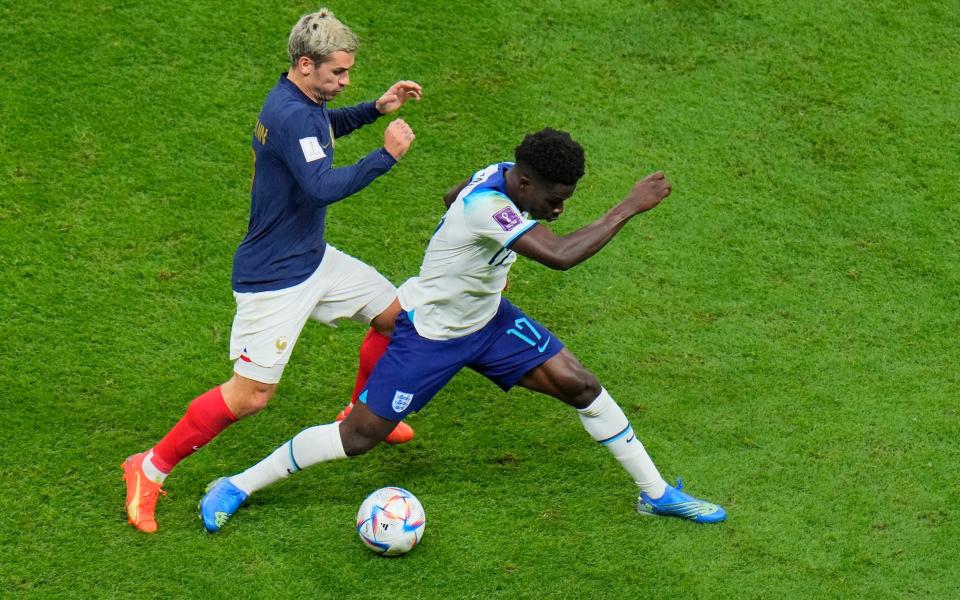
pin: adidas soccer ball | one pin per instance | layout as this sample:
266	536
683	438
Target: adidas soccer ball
390	521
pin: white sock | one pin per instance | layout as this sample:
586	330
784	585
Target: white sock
606	423
150	470
307	448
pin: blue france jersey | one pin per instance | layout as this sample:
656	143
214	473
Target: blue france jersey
294	181
467	261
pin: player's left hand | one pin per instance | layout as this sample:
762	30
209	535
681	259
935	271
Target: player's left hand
397	95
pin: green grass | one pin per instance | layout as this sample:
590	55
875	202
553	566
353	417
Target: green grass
782	331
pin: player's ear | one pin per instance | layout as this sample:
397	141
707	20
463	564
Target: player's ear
304	65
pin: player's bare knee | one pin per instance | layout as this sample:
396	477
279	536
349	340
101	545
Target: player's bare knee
591	387
254	400
259	399
355	443
579	387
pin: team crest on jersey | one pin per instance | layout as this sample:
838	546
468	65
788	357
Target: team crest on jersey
507	218
401	400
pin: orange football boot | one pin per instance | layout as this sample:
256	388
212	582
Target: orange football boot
401	434
142	494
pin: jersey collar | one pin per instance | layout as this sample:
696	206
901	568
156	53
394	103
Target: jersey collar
292	87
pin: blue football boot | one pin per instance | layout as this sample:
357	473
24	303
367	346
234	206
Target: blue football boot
675	503
220	502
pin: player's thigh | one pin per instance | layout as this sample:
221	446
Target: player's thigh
412	371
356	290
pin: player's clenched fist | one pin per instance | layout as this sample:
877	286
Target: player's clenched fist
397	138
649	191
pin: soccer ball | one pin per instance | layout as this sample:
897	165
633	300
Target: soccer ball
390	521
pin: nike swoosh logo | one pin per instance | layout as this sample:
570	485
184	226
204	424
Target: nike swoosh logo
631	438
544	346
330	128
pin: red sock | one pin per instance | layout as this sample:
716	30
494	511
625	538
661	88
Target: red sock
205	418
373	347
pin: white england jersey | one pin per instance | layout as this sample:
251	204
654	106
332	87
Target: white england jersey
467	261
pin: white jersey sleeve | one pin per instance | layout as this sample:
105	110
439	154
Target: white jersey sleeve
490	214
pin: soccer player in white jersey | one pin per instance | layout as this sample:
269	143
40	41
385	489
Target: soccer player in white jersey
455	317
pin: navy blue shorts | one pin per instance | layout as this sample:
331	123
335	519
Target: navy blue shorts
414	368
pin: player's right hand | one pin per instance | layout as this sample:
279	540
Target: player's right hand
649	191
397	138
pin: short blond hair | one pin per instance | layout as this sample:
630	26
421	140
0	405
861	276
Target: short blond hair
317	36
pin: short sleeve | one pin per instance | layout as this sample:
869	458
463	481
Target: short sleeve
492	215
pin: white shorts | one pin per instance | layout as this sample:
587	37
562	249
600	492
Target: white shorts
267	324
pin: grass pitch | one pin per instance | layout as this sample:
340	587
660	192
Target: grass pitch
782	331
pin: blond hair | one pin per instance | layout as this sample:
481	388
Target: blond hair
317	36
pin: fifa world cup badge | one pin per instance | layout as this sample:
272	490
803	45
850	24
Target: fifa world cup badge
507	219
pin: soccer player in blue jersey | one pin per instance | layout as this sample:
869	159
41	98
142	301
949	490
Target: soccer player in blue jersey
284	272
455	317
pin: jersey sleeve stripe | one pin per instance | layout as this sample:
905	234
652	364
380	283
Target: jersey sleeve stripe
517	235
492	260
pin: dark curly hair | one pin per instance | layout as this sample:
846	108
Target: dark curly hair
552	155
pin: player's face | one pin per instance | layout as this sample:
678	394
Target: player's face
544	201
329	78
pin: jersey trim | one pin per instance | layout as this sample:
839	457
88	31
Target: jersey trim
517	235
510	243
497	255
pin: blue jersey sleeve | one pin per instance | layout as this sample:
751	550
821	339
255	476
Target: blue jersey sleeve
308	152
347	119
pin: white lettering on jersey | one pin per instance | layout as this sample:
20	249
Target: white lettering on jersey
478	178
311	149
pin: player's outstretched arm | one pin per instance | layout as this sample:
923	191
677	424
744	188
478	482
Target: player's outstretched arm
397	95
564	252
350	118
